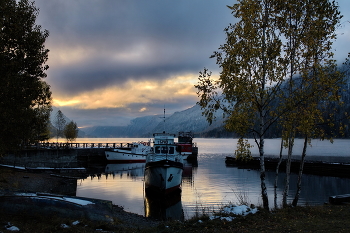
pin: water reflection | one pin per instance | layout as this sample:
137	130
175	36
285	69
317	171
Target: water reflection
190	170
164	207
128	169
206	185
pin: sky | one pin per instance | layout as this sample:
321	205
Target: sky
114	60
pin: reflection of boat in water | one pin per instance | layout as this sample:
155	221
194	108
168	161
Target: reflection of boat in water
132	169
162	207
186	146
132	152
190	167
164	166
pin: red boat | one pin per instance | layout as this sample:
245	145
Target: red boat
186	146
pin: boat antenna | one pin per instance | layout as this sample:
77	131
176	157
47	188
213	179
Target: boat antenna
164	121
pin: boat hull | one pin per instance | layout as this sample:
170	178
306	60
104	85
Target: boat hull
188	150
163	176
124	157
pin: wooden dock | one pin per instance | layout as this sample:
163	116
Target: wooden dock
59	154
310	167
339	199
76	145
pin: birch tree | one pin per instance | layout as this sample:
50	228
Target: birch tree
309	28
251	74
271	43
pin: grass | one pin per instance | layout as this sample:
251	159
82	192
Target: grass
327	218
35	223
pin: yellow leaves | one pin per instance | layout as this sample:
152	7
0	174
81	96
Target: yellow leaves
255	62
243	153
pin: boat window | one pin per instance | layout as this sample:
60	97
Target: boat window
157	150
171	150
164	150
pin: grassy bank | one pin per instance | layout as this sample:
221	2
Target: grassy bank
327	218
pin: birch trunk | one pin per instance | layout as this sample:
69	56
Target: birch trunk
277	172
288	164
301	168
263	174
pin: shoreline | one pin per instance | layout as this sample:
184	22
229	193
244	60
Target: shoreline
19	180
45	185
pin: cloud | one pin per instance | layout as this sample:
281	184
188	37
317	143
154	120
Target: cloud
95	44
111	61
174	89
133	99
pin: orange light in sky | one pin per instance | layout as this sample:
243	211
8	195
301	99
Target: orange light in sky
144	91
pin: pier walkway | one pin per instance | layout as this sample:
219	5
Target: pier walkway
76	145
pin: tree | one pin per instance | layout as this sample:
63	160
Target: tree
264	50
71	131
25	99
251	75
60	124
309	27
243	153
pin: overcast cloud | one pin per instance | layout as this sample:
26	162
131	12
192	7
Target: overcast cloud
114	60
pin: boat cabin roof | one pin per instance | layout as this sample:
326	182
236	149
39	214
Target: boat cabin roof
163	138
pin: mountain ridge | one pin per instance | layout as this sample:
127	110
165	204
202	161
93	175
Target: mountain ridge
190	119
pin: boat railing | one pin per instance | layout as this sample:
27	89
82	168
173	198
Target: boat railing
153	157
148	143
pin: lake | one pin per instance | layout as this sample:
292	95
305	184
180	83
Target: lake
209	184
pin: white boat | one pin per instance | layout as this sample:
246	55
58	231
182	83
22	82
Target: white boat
164	165
132	153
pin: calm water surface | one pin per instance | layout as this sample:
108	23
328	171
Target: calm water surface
209	184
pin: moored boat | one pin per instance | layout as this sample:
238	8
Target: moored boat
132	153
164	165
186	146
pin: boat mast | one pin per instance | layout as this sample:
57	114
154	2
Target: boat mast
164	120
166	145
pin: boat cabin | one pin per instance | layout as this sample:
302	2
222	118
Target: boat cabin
164	143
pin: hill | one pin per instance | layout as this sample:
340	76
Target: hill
188	120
